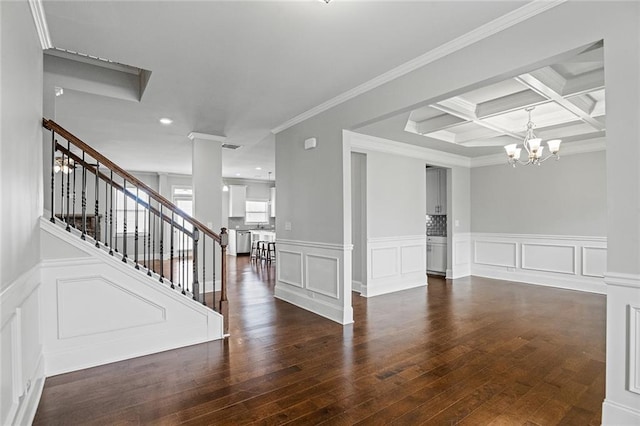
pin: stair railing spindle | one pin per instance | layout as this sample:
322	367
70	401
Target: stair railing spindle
96	218
84	198
135	233
173	278
68	186
161	245
111	215
53	175
195	286
124	221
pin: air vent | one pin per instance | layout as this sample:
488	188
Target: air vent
231	146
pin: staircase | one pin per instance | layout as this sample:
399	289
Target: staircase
98	202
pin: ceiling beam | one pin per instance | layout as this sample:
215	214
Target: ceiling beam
453	106
440	122
508	103
549	83
587	82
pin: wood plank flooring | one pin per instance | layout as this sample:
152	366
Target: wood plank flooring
471	352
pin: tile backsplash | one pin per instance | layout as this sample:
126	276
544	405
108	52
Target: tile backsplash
437	225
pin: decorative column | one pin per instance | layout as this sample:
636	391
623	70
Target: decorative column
207	194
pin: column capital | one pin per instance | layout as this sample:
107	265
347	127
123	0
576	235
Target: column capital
206	136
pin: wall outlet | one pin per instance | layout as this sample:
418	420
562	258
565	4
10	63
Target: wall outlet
457	223
287	226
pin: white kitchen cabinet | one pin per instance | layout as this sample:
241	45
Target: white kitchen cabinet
231	245
437	254
237	200
436	191
272	201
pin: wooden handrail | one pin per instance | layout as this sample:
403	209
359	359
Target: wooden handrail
55	127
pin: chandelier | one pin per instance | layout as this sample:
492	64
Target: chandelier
65	165
532	145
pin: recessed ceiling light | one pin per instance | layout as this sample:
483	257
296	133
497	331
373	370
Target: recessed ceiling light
258	168
237	174
166	121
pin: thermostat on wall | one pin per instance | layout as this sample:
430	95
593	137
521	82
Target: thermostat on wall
310	143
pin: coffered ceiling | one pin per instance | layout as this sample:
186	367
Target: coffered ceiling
567	97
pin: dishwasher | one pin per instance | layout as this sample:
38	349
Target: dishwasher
243	242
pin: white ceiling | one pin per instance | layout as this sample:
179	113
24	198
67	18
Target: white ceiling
239	69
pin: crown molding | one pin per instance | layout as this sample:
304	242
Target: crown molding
594	145
206	136
39	18
508	20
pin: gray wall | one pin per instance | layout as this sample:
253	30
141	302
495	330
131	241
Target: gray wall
565	197
396	196
359	216
21	136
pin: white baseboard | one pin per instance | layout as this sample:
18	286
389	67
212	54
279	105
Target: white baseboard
356	286
394	287
614	414
316	306
29	402
568	283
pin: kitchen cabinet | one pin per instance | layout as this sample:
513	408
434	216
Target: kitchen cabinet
237	200
436	191
437	255
272	201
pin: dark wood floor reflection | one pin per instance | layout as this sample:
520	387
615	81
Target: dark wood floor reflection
474	351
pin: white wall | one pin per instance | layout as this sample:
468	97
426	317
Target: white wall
565	197
21	364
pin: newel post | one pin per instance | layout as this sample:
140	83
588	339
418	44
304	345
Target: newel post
224	303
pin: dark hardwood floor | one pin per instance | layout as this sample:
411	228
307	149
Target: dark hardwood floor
473	352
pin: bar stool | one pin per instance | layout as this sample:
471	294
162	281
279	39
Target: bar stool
262	250
271	251
255	250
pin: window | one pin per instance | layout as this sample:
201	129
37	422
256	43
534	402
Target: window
133	208
257	212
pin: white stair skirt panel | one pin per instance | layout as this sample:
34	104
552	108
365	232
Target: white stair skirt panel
570	262
394	264
315	277
97	310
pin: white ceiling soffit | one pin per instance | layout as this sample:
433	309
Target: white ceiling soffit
510	19
568	100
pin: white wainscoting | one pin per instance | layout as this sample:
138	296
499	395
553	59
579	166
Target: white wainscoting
634	348
622	405
460	255
571	262
312	276
22	366
97	310
394	264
